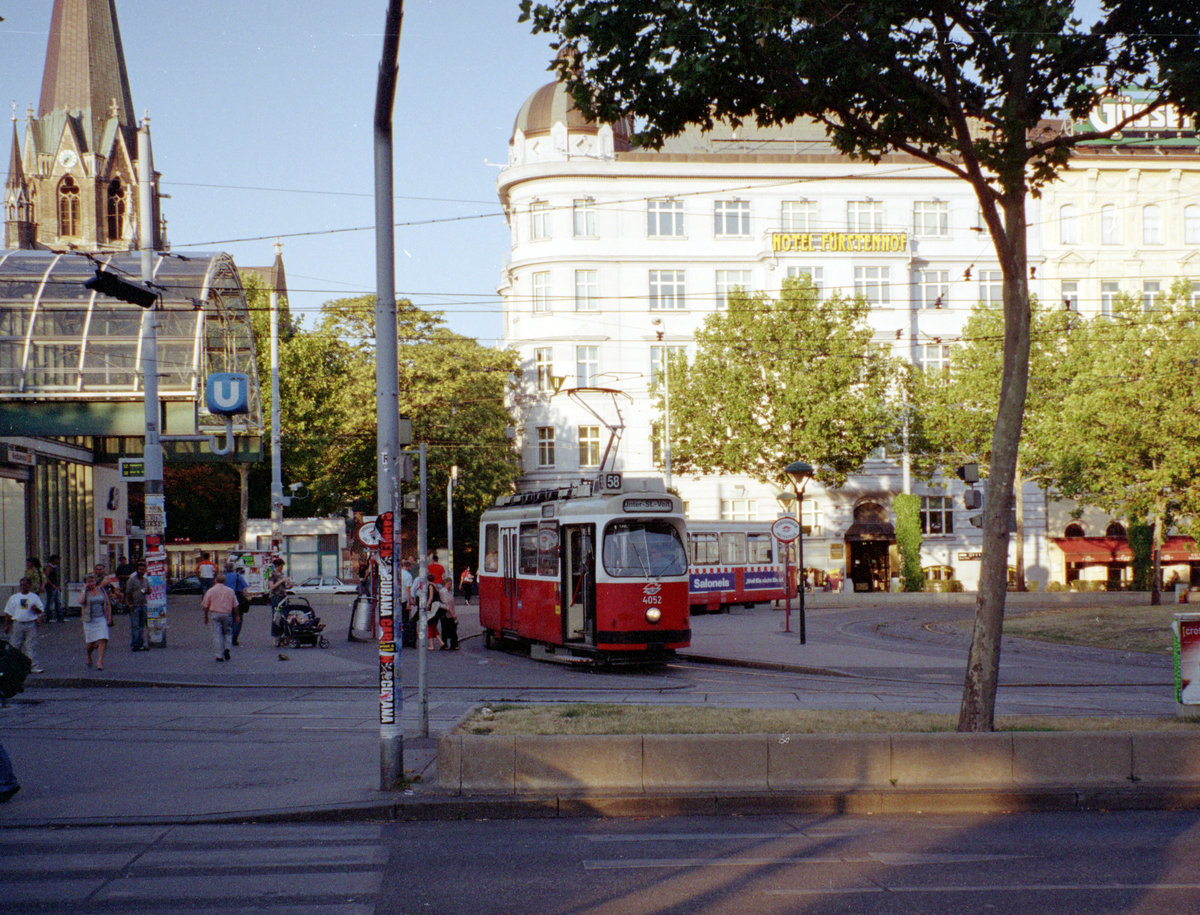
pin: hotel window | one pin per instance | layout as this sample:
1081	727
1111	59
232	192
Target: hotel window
1150	291
543	366
810	517
937	515
545	442
664	218
1108	297
815	275
864	216
589	446
68	207
1110	225
728	280
991	287
587	290
731	218
541	290
931	218
931	288
933	357
798	216
666	290
1151	225
539	220
739	510
583	217
587	365
872	284
1070	295
1068	225
1191	225
658	358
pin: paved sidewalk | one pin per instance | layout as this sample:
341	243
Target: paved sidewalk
170	735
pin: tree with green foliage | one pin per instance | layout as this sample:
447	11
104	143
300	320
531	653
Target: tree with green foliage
969	86
908	540
1125	433
779	380
958	405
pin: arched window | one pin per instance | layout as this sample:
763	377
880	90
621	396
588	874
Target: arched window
116	210
1151	225
1068	225
1191	225
1114	529
1110	225
68	207
1073	530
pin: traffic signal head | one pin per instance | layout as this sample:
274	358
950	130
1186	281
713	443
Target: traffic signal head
969	472
111	285
972	499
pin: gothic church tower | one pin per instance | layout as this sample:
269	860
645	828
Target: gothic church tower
75	185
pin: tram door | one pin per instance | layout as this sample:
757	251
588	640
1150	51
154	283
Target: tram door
579	583
508	568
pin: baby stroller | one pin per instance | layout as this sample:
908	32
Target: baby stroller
296	624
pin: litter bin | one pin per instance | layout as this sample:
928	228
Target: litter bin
362	620
1185	627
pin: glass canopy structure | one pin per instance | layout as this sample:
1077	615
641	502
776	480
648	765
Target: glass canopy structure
71	358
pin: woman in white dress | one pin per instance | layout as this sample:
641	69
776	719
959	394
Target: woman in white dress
97	617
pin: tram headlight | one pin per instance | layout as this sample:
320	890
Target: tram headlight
653	615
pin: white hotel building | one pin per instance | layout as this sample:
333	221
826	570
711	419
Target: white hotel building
620	254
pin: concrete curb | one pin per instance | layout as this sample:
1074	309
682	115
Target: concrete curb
1011	763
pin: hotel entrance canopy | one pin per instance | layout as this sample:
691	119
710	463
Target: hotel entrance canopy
71	358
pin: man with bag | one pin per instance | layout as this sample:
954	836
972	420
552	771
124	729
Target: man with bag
237	581
137	593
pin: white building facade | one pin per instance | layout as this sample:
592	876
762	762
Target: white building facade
619	255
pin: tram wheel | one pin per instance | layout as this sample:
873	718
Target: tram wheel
489	640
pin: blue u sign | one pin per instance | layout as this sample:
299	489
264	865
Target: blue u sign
228	393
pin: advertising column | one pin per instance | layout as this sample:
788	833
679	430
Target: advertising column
1186	630
156	568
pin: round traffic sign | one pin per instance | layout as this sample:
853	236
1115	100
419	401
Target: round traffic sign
785	529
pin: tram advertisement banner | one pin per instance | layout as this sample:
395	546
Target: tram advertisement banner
763	579
1186	629
702	582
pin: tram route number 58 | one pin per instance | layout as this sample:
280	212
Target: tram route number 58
608	482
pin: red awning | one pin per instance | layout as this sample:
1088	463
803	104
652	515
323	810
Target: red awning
1116	549
1094	549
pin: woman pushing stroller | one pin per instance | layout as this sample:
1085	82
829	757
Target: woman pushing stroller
441	610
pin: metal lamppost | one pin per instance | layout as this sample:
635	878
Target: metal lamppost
666	367
800	472
785	500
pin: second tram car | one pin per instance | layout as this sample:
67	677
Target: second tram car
597	570
735	562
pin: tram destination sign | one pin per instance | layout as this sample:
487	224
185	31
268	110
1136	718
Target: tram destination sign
647	505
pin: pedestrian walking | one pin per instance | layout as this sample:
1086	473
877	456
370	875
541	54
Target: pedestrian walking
206	571
8	779
445	616
21	613
466	584
96	610
277	585
137	594
220	603
237	581
408	609
54	601
33	571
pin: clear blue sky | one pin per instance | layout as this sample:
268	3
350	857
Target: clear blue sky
261	117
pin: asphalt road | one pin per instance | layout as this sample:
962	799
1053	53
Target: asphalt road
1029	863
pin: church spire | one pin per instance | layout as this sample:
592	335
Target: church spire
18	205
85	66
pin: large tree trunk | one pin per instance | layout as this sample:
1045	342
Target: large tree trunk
978	709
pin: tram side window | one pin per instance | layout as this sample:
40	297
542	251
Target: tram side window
548	555
758	548
491	548
733	548
528	559
704	549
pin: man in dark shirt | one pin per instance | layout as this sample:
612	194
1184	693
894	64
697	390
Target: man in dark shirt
137	592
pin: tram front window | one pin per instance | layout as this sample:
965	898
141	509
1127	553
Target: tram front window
643	549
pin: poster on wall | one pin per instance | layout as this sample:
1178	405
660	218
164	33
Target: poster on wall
1186	630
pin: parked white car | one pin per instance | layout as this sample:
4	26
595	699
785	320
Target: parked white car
323	584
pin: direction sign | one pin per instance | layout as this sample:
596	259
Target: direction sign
785	529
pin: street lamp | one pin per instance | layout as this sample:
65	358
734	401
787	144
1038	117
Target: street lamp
800	472
666	366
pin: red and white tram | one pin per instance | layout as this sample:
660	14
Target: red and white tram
735	562
597	570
